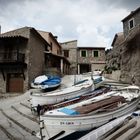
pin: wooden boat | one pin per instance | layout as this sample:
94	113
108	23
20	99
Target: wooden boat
80	88
108	128
92	113
129	131
94	93
46	83
98	79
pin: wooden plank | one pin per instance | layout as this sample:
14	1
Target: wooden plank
134	134
121	131
99	104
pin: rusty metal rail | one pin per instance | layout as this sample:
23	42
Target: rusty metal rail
19	124
9	135
31	118
25	105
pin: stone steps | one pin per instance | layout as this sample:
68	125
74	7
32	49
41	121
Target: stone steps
18	123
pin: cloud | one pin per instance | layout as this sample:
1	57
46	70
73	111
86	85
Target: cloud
94	37
91	22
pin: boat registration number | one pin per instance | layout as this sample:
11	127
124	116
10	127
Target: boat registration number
66	123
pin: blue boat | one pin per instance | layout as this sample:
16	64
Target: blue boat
46	82
51	83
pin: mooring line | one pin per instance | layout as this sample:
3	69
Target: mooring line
25	105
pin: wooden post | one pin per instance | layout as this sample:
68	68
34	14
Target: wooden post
78	68
61	66
41	127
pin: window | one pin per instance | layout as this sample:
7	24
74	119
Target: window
46	48
131	23
66	53
95	53
83	53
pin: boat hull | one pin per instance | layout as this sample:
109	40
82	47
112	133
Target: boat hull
84	122
44	99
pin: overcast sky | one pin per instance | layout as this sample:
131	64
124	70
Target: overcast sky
91	22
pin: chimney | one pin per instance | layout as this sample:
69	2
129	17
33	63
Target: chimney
56	37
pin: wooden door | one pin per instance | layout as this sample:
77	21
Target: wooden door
15	83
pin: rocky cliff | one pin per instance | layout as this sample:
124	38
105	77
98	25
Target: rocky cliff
130	61
125	56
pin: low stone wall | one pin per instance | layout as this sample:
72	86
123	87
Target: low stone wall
114	76
53	71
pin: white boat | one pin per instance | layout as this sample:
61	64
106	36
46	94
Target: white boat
84	97
83	116
80	88
97	79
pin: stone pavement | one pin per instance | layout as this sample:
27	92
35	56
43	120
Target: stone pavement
16	119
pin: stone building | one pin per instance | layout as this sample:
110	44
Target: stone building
56	63
21	59
70	52
90	59
126	49
83	59
130	64
23	54
55	47
131	22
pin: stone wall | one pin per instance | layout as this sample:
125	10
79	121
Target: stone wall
126	29
96	66
2	84
36	57
56	48
71	46
130	66
114	76
113	56
90	58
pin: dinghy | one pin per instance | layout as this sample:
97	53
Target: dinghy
46	83
52	83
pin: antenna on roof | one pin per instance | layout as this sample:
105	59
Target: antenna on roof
0	29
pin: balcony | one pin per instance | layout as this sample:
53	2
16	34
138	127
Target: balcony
12	57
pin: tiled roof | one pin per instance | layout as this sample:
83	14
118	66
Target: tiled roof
44	34
131	14
68	41
118	39
89	47
22	32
